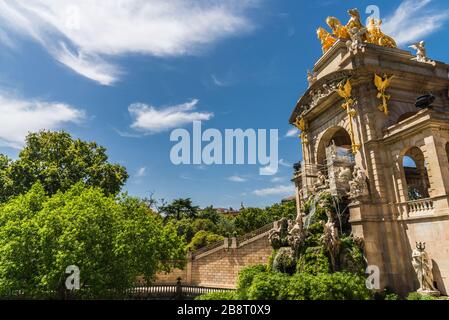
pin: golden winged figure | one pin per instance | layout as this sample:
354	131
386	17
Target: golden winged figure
300	123
344	90
382	84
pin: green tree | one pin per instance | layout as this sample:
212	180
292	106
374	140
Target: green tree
58	161
203	239
112	241
179	209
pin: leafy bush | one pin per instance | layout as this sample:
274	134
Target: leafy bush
339	286
219	296
285	261
267	286
298	288
246	277
313	261
202	239
112	241
418	296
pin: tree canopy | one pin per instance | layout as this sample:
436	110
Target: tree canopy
112	240
57	162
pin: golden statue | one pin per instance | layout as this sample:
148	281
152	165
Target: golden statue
382	84
344	90
354	31
377	37
338	30
327	40
355	23
300	123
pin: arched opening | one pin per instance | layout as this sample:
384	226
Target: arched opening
416	175
340	141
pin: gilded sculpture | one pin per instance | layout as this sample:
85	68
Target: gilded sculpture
300	123
354	33
327	40
344	90
382	84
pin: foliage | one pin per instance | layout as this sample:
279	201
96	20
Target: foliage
351	257
285	261
203	239
58	161
313	261
179	209
246	277
418	296
217	296
267	286
112	241
250	219
326	286
210	214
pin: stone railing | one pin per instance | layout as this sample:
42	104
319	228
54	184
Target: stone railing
255	233
422	206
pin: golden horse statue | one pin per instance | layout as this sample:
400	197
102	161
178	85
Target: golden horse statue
327	40
369	34
376	36
338	29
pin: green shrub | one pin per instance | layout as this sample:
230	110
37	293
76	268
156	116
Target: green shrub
267	286
418	296
202	239
217	296
285	261
246	277
339	286
298	287
313	261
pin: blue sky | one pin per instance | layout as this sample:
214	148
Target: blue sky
239	64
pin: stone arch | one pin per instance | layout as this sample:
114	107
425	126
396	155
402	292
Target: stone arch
336	134
415	174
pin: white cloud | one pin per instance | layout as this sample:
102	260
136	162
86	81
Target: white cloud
19	117
413	20
292	133
148	119
237	179
141	172
278	190
278	179
284	163
98	30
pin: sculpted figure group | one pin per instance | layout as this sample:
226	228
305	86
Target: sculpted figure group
354	32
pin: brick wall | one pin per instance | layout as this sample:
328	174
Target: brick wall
219	267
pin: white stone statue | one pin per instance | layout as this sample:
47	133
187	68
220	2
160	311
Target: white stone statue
311	77
358	185
331	239
421	52
322	182
356	42
423	268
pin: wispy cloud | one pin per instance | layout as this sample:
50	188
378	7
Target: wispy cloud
148	119
413	20
285	163
141	172
19	116
98	30
237	179
277	190
292	133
